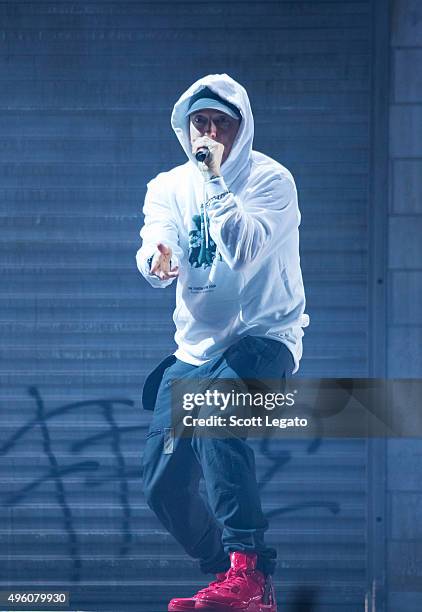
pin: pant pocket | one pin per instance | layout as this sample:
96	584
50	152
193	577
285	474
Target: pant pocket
265	348
153	432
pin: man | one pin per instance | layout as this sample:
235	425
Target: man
227	228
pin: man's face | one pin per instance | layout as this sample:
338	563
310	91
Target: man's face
216	125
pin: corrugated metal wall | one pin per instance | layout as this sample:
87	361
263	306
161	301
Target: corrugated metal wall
404	547
87	91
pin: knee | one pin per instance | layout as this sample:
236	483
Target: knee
160	486
224	450
200	442
209	447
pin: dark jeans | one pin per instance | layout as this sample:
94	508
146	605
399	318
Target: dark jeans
172	467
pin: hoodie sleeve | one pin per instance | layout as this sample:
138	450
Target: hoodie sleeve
159	226
247	229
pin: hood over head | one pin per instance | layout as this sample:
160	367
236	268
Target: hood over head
231	91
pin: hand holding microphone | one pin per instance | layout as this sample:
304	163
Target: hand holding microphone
202	154
208	153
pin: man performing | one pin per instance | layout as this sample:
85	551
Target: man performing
225	224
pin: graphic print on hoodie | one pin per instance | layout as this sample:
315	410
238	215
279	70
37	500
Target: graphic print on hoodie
202	248
235	240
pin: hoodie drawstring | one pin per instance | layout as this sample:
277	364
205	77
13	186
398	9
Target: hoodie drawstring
204	214
207	234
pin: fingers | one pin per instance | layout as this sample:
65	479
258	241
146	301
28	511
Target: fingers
164	250
157	263
203	167
173	272
155	268
205	141
161	263
162	275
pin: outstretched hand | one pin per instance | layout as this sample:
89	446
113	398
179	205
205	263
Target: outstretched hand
161	264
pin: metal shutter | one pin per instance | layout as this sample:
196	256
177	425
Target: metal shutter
87	93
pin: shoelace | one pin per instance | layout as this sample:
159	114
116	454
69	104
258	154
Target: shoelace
211	585
235	578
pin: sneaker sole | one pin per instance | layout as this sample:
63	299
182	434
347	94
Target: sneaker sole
183	607
217	607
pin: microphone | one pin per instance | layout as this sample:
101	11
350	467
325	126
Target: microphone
202	154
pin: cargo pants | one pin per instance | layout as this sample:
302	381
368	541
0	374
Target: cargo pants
231	519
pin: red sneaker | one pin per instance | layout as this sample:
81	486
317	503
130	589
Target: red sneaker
245	589
186	604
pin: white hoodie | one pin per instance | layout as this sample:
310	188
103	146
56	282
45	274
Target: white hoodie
235	240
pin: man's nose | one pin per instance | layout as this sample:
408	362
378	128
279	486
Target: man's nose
211	130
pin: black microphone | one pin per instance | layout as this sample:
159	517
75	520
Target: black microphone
202	154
